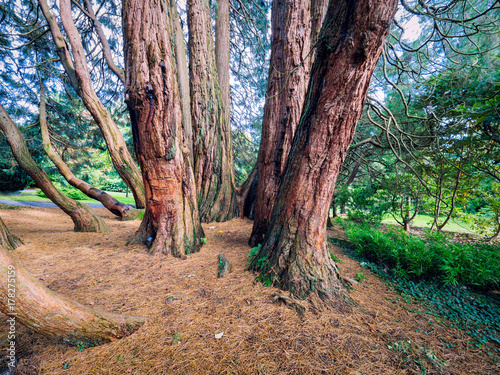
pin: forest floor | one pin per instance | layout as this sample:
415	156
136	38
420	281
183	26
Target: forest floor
186	306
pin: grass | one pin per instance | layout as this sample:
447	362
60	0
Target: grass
31	195
425	221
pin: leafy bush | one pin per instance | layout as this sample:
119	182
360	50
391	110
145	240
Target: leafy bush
12	178
367	203
432	255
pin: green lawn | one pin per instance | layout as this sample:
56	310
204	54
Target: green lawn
425	221
32	196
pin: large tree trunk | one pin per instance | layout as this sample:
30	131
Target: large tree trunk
182	76
8	240
78	72
293	25
84	218
222	53
171	223
26	301
212	145
119	209
294	254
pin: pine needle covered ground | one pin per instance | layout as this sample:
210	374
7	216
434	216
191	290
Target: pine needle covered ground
200	324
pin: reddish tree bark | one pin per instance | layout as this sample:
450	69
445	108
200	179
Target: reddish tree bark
182	76
25	300
212	144
294	32
294	253
222	53
84	218
171	223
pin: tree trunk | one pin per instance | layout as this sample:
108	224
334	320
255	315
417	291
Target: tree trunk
182	76
119	209
171	223
79	75
84	218
497	231
8	240
294	254
222	53
246	195
291	59
212	145
26	301
452	204
437	205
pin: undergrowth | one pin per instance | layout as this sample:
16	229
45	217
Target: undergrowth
431	255
406	265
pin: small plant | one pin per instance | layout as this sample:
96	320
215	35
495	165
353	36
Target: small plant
335	259
203	241
359	277
176	338
252	254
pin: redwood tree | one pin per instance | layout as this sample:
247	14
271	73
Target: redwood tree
294	253
212	145
294	32
84	218
171	223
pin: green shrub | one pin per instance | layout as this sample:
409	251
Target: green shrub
432	255
12	178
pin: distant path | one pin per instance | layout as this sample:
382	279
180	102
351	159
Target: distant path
41	204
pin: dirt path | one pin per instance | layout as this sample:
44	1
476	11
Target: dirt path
187	305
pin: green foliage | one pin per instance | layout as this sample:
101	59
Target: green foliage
474	312
253	253
360	276
366	203
432	255
335	259
12	177
203	241
69	191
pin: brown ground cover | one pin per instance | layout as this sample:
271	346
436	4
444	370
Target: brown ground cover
186	306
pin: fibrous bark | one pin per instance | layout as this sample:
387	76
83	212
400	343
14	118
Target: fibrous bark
84	218
171	223
26	301
212	148
76	68
222	53
182	76
7	239
294	253
294	32
112	204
